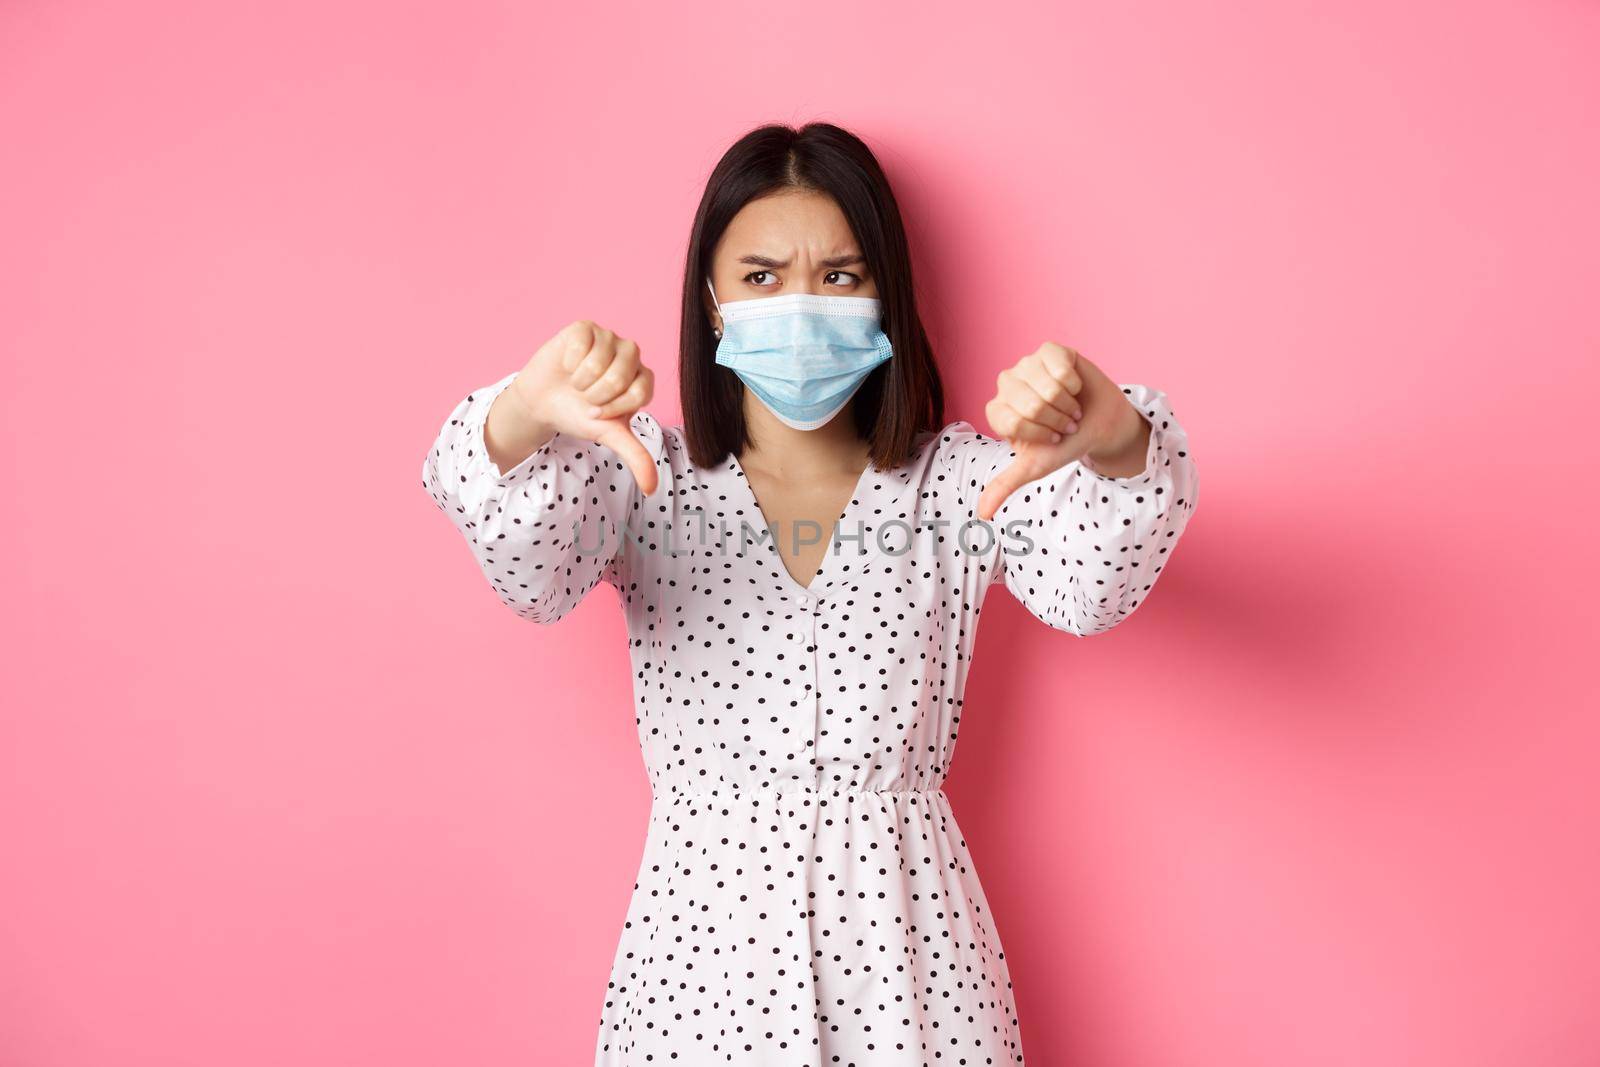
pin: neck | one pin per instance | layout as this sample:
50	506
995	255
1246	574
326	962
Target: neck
785	452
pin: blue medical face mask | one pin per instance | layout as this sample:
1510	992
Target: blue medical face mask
802	355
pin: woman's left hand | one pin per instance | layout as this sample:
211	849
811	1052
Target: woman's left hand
1054	407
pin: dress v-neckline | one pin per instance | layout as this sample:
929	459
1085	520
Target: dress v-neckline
813	587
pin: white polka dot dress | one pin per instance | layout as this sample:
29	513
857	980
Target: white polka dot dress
805	897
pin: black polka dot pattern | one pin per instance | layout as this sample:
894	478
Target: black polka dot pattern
806	897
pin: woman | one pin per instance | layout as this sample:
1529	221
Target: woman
802	566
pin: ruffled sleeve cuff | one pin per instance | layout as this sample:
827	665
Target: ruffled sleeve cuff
476	465
1153	405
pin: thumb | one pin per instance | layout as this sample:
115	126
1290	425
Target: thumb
618	435
1015	475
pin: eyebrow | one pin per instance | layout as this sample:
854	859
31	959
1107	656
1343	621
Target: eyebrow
846	260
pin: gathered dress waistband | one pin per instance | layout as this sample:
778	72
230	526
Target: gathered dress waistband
672	793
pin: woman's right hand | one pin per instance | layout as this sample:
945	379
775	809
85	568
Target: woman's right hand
584	382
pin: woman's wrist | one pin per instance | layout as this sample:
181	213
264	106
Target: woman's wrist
511	432
1124	457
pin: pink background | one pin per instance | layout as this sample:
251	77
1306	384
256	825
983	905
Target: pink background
285	784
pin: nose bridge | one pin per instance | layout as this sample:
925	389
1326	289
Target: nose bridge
803	273
803	277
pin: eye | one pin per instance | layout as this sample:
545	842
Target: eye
854	278
756	274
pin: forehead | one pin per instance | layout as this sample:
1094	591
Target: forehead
795	220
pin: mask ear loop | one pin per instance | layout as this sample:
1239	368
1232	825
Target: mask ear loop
715	330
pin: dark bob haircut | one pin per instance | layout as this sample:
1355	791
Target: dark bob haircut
901	397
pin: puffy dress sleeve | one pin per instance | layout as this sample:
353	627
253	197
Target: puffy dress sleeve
1079	549
549	529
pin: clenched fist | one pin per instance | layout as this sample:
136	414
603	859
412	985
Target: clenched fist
585	382
1053	407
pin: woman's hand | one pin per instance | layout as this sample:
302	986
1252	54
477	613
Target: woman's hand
1054	407
585	382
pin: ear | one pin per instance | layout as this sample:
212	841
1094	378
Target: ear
710	307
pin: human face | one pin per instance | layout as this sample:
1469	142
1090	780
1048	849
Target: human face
794	241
